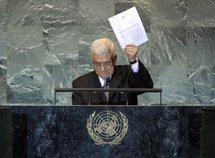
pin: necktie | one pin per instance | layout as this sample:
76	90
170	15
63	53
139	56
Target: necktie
106	85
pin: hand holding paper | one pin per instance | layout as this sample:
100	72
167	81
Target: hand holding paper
128	28
131	51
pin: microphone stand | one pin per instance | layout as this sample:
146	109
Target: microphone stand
95	90
92	93
125	95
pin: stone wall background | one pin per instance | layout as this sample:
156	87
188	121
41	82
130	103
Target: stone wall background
46	44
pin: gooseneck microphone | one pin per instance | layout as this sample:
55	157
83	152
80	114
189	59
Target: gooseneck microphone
91	94
126	97
106	85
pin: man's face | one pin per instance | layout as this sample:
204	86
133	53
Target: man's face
103	65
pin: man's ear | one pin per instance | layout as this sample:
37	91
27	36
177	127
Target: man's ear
114	59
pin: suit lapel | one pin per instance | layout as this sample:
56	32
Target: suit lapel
95	83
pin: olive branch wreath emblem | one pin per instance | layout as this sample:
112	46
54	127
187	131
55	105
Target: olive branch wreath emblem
98	140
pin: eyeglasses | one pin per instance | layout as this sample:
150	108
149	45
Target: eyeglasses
107	65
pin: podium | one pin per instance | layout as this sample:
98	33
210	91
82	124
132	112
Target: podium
13	133
94	131
208	133
5	133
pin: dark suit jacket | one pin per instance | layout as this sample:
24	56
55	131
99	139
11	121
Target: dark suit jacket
123	77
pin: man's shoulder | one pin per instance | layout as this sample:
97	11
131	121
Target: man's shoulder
83	78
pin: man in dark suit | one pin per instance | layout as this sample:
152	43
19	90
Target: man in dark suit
107	73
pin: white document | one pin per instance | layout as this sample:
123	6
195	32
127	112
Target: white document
128	28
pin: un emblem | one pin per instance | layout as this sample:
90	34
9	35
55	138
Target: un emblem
107	127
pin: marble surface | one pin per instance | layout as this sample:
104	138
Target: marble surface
154	131
45	44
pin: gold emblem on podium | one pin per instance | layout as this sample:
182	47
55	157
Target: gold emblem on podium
107	127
